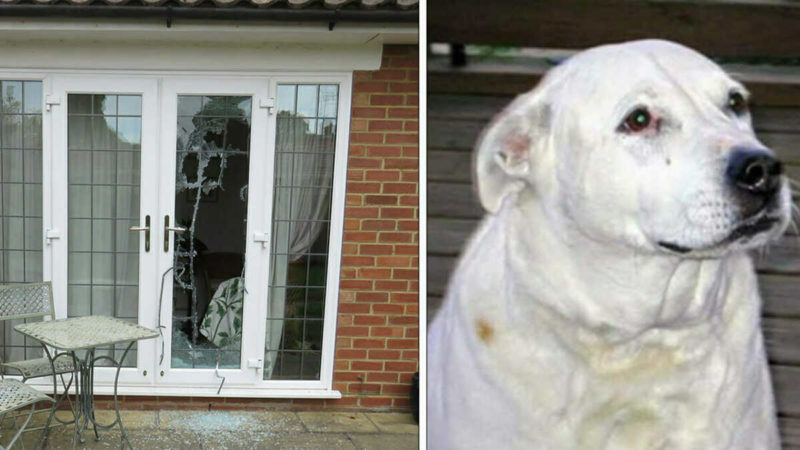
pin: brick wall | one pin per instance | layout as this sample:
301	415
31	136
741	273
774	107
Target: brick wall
377	347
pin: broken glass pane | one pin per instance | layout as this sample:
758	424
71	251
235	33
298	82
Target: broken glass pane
212	170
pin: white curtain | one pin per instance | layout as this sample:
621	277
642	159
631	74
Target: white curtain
20	200
304	171
103	203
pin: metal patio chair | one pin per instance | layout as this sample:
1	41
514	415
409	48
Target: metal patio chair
15	395
32	300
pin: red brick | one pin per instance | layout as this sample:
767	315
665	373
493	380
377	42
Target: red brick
401	320
402	297
354	212
408	175
385	125
375	274
370	113
399	188
403	87
353	331
358	125
393	261
401	366
364	388
397	389
351	354
404	225
406	274
406	250
384	151
372	296
369	319
348	376
355	175
395	213
369	343
382	377
411	354
403	113
390	75
375	402
390	200
387	309
363	188
410	332
364	163
353	200
411	125
382	175
372	86
367	138
404	61
348	273
358	261
355	308
386	99
395	237
378	249
410	152
360	236
367	365
356	284
378	225
409	200
401	163
412	100
391	285
387	331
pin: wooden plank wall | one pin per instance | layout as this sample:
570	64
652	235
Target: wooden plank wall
461	102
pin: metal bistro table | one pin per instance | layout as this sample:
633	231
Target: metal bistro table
87	333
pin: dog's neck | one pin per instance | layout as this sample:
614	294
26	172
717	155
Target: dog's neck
612	289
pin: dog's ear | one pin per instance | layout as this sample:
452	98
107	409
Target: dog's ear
505	149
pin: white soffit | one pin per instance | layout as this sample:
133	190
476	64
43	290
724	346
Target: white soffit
195	45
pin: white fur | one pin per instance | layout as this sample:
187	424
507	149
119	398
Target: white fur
566	326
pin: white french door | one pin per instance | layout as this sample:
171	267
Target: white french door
104	154
209	207
216	186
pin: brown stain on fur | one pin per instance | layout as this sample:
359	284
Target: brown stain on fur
484	330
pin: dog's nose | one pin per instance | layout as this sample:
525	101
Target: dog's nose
754	170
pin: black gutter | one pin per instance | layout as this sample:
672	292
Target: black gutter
169	13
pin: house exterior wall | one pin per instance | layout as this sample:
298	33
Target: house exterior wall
377	346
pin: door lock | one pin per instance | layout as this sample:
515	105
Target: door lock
167	229
146	229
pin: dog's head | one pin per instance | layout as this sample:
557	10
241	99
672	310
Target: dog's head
646	143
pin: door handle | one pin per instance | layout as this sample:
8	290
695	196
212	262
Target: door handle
167	229
146	229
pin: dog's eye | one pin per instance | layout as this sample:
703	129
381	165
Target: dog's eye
737	103
638	120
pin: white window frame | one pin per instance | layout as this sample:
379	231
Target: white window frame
322	388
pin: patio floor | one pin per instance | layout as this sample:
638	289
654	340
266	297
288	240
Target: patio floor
195	430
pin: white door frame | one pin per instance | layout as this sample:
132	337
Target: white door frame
61	86
54	195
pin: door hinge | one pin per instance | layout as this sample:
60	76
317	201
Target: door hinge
261	237
268	103
52	233
51	100
255	363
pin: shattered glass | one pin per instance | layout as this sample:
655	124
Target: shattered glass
211	204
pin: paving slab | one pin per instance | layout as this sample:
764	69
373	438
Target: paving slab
336	422
242	421
385	441
394	423
311	441
131	419
140	439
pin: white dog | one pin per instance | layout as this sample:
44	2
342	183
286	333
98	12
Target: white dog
607	300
